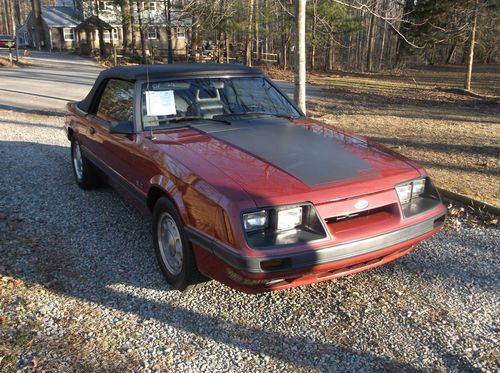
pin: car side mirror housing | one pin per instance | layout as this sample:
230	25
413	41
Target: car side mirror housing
123	127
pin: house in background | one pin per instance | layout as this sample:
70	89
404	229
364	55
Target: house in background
74	24
53	28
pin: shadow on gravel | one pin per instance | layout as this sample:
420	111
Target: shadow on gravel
31	124
34	94
85	244
34	111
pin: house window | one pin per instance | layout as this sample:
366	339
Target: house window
105	6
181	32
69	34
149	6
107	35
152	33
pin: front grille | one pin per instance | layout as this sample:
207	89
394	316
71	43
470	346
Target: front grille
364	222
342	218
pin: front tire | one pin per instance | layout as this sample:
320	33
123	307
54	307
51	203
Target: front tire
85	175
172	248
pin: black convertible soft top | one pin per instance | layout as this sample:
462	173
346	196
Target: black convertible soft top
141	72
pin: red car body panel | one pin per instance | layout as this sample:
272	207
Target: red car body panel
211	182
5	40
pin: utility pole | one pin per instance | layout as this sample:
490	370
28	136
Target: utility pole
470	57
299	93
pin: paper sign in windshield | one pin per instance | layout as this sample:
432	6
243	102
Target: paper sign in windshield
160	103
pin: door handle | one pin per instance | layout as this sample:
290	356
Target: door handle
92	130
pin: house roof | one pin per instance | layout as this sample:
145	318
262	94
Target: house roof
93	22
59	16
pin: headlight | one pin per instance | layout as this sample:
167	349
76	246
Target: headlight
409	191
417	196
289	218
255	220
282	225
418	188
404	193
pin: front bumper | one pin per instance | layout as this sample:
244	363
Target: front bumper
305	260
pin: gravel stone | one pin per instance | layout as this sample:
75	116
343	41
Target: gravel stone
80	290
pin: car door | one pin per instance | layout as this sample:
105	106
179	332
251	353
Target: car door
113	151
122	153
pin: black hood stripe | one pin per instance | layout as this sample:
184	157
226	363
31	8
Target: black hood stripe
308	156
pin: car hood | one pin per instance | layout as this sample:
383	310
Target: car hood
278	161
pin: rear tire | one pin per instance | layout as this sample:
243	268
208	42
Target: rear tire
172	248
86	176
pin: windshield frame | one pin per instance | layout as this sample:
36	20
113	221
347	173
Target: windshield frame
140	84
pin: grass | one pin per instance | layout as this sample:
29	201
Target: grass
5	62
424	115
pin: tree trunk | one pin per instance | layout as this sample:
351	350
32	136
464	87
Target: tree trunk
220	49
330	54
220	38
451	53
266	22
141	30
370	40
382	43
470	57
195	41
248	52
300	55
3	16
402	47
133	39
313	35
125	13
19	21
170	51
226	46
12	19
102	46
257	45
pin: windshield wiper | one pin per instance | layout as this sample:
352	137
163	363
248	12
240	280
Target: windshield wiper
252	113
287	116
189	119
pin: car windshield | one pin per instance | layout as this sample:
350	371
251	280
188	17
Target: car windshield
168	104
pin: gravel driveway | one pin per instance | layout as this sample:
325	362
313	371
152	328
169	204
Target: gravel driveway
80	290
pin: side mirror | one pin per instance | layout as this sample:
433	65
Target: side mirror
124	127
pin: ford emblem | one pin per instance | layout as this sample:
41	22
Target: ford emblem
361	204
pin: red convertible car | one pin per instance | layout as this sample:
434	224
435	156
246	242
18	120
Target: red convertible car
241	186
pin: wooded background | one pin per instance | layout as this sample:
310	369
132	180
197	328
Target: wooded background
357	35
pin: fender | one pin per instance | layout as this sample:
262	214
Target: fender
170	189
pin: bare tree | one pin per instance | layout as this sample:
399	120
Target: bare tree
166	5
102	45
248	49
140	10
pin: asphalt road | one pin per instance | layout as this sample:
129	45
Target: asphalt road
54	79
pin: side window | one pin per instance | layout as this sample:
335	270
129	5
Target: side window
117	101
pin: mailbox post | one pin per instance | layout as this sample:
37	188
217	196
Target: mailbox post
10	44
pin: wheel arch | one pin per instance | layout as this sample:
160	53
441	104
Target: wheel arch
160	187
